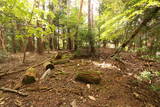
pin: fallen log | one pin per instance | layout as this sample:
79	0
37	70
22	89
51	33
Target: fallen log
46	73
13	91
29	76
48	67
62	61
92	77
24	69
59	55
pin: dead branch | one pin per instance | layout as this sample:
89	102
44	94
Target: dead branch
13	91
24	69
45	74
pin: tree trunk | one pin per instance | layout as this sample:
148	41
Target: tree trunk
69	40
39	46
58	40
77	28
30	45
91	40
55	41
51	43
2	40
13	43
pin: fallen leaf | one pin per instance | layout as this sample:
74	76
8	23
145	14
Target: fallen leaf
136	94
1	103
88	86
18	103
92	98
73	103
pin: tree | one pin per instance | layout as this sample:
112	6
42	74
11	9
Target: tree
90	36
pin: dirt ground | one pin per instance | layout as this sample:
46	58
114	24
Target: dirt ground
118	88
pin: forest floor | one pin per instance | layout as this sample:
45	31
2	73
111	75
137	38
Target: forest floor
118	88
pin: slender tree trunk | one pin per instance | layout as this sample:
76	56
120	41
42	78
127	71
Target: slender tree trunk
21	45
30	45
55	41
51	43
13	43
40	46
2	40
58	39
91	40
69	40
77	28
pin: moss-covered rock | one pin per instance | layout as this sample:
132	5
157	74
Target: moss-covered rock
92	77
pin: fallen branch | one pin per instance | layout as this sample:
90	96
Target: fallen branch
48	67
62	61
45	74
29	76
14	91
24	69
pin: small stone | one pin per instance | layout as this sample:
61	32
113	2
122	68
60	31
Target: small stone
92	98
136	95
88	86
73	103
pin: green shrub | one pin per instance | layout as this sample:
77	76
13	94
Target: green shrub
146	75
155	88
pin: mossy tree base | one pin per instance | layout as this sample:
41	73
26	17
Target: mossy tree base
92	77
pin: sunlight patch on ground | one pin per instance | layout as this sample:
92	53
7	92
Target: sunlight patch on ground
105	65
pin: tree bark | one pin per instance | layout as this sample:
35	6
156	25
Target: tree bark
30	45
91	40
13	43
69	40
77	28
2	40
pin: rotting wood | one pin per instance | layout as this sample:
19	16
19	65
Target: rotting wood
29	76
92	77
13	91
59	55
39	89
48	65
24	69
45	74
63	61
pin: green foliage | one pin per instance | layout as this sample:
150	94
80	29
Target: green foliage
155	88
151	57
27	14
145	75
126	14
